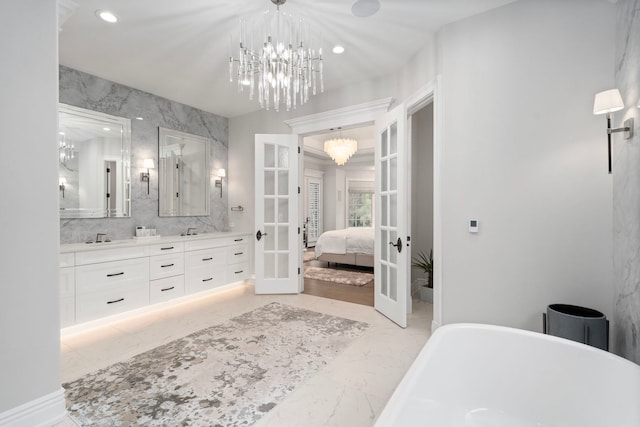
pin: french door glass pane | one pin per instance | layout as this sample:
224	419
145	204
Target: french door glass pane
283	265
269	266
393	173
283	182
283	209
383	149
393	283
269	183
393	139
269	155
269	210
283	157
283	238
269	239
383	280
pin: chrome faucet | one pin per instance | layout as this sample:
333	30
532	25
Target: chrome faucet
99	237
192	233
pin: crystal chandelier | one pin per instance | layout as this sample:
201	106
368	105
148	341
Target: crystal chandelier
340	149
279	59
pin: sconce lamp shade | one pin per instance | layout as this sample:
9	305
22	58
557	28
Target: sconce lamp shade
607	102
148	164
222	173
62	180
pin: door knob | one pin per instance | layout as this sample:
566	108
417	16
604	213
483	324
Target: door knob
398	244
259	235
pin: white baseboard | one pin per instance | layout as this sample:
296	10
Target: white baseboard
45	411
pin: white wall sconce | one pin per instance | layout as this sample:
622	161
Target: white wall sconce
144	176
221	174
607	102
61	184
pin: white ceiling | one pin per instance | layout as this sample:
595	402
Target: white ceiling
179	49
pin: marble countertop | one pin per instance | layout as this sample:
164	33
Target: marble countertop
81	247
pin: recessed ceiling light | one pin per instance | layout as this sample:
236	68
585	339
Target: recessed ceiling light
337	49
106	129
246	82
106	16
364	8
61	133
139	118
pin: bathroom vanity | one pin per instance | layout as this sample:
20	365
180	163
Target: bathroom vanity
103	279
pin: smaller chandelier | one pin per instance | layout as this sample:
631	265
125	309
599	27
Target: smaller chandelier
340	149
279	60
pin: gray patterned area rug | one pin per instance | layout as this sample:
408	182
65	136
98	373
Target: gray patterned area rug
226	375
354	278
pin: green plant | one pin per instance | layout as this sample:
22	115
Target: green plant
425	263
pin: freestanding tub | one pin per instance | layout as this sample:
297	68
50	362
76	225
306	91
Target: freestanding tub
475	375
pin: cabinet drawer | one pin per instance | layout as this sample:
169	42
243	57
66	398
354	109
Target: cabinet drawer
195	245
166	265
206	257
67	280
237	254
238	240
166	248
237	272
165	289
67	260
203	278
108	300
115	254
95	276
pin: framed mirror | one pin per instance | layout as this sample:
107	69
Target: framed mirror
94	163
183	174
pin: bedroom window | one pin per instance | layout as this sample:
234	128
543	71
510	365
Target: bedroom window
360	209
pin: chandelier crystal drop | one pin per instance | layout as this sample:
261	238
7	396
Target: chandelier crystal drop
66	150
340	149
279	58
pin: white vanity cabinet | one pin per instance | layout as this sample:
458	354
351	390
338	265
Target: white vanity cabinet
96	282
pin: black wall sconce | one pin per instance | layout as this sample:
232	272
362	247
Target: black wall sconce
607	102
221	174
61	184
144	176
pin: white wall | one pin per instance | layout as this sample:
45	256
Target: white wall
524	155
29	326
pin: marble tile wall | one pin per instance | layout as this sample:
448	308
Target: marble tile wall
94	93
626	187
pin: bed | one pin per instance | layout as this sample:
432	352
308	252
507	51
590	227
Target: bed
353	246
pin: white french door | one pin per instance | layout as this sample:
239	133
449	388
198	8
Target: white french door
313	204
276	218
391	238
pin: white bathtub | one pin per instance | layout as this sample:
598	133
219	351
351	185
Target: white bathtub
489	376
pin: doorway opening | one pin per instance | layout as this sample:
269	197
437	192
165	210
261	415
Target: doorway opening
338	204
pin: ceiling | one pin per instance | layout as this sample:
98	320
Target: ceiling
180	49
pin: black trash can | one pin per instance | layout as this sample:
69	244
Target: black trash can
580	324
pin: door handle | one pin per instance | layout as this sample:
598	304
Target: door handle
398	244
259	235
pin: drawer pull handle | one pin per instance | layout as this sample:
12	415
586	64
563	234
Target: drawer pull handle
115	274
115	301
167	289
238	240
207	259
207	280
167	249
238	272
166	265
238	253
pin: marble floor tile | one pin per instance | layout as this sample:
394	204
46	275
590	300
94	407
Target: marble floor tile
350	391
